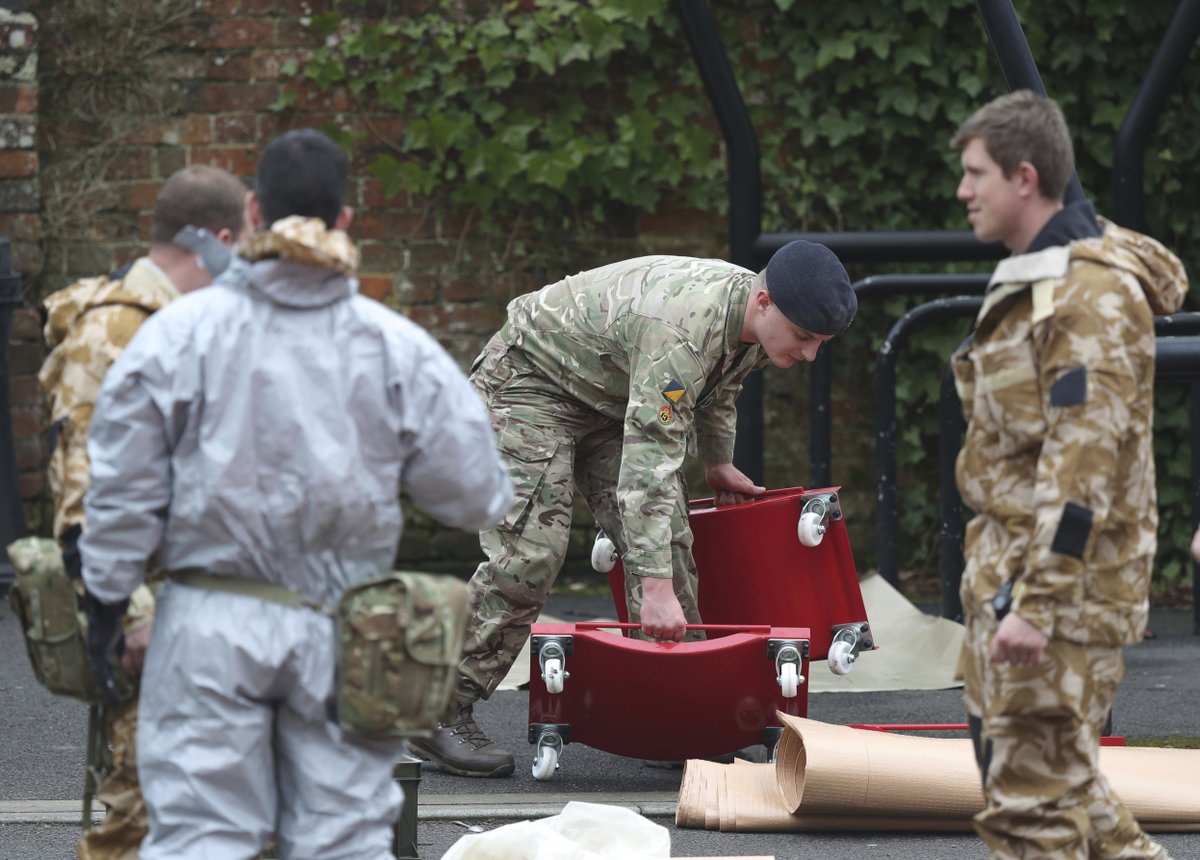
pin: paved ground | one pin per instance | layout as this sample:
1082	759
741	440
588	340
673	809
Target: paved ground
42	748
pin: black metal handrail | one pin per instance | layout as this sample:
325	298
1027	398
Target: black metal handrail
886	514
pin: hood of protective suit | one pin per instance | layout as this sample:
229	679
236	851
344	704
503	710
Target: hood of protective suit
1160	272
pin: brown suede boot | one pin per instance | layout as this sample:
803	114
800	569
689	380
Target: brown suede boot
462	748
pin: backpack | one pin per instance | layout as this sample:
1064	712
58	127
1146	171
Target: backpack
400	639
47	605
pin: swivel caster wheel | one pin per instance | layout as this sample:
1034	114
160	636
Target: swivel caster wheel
604	554
546	763
789	680
811	528
841	657
553	675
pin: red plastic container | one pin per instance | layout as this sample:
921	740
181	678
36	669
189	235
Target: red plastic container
666	700
753	569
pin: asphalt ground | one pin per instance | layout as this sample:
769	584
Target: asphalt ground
42	752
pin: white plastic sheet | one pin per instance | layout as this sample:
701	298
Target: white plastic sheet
582	831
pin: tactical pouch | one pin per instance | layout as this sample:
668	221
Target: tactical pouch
399	639
46	604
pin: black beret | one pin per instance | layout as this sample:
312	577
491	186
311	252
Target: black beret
811	287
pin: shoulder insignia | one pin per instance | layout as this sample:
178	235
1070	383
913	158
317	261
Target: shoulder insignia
666	415
673	391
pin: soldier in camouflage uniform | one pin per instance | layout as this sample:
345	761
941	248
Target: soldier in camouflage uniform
1057	385
89	324
602	382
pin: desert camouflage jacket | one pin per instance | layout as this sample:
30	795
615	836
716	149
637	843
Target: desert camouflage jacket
89	325
653	343
1058	390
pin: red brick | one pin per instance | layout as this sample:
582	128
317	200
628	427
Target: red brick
227	67
223	8
180	64
337	99
429	257
370	194
269	64
388	225
170	160
221	97
377	287
18	99
473	289
139	195
293	33
16	164
418	289
238	160
238	33
26	422
235	128
679	221
132	163
24	358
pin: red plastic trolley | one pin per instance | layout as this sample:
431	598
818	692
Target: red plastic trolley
584	679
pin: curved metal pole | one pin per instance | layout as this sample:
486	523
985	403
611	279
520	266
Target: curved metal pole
950	530
1129	149
820	450
886	516
745	199
1003	29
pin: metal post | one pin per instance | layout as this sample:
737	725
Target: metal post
1129	149
950	532
12	519
886	515
1003	29
404	839
745	199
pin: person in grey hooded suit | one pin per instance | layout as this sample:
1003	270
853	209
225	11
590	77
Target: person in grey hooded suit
260	431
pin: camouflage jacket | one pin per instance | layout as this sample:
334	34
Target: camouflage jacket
653	343
88	326
1057	387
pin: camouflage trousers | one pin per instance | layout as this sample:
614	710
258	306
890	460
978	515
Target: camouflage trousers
125	822
1037	740
553	445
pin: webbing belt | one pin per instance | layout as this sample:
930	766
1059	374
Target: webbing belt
194	577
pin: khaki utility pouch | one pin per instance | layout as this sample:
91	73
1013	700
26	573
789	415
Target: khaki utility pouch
47	605
399	639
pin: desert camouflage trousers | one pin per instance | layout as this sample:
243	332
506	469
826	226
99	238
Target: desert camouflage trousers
553	445
1037	739
125	823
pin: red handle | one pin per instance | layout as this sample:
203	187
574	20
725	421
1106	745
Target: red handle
630	625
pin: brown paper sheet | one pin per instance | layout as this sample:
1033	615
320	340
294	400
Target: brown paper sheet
829	777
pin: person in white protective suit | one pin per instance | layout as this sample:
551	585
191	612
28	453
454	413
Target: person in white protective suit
259	432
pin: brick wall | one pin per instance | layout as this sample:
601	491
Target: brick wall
221	69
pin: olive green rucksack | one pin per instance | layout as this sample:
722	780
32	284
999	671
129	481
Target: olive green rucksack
47	604
400	639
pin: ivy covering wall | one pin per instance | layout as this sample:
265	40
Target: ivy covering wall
549	122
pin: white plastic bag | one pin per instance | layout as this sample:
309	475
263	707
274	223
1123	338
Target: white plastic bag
582	831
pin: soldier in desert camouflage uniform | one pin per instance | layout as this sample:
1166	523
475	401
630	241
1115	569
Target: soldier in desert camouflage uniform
1057	386
603	382
89	325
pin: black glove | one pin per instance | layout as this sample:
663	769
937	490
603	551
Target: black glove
105	643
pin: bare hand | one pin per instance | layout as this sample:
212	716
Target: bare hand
1196	545
136	640
662	616
729	485
1017	642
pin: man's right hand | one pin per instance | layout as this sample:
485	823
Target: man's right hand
105	642
662	616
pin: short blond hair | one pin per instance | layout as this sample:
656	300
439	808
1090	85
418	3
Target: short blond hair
1023	126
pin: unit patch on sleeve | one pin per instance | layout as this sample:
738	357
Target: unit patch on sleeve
666	415
673	391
